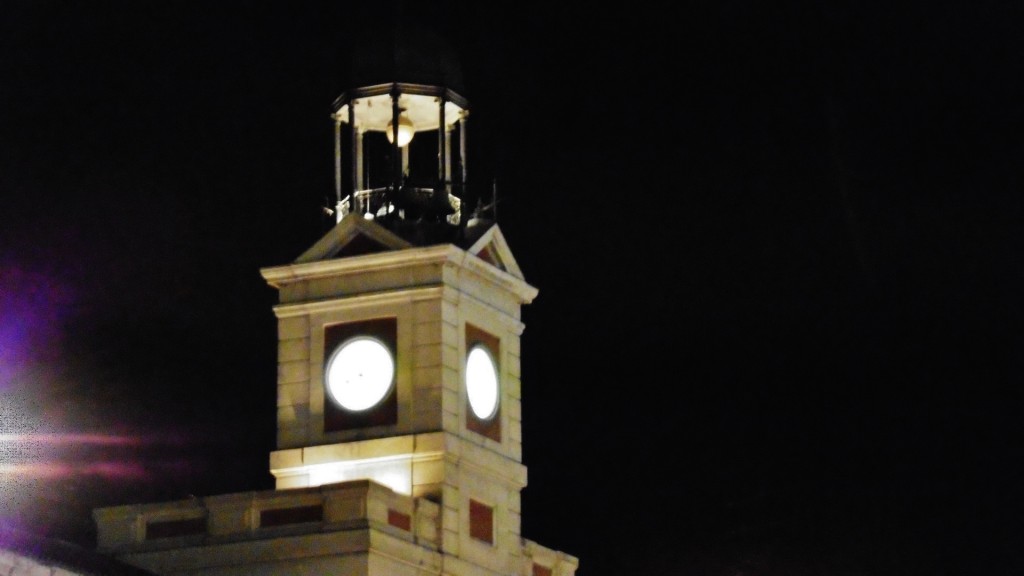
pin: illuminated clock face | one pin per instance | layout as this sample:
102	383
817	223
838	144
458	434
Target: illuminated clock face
360	373
482	382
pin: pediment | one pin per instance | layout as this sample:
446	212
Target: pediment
353	236
492	248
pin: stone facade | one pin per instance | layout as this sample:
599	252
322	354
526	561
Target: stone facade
357	527
428	490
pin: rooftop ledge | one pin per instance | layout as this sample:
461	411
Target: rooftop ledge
224	519
281	525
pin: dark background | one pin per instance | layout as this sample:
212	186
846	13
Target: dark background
777	245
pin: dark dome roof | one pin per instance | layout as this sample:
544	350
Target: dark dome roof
403	52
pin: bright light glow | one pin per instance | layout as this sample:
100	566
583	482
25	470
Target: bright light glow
482	382
30	456
395	473
360	373
67	471
405	131
76	439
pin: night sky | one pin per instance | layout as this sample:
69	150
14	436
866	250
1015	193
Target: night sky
778	248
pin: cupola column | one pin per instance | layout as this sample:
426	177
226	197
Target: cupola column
441	187
337	167
462	151
396	152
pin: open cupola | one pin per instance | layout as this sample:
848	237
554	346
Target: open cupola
400	144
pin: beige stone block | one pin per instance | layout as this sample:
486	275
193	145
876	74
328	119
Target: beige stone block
451	379
428	472
450	401
427	399
295	292
373	281
427	377
425	311
293	393
514	409
483	289
294	415
511	345
513	522
405	558
449	313
515	502
272	499
424	333
450	334
452	447
477	485
426	419
293	327
500	466
383	561
428	414
426	355
450	421
515	431
430	442
237	499
115	527
427	491
450	530
450	542
478	314
280	459
450	357
335	286
561	563
293	349
292	481
406	414
292	436
229	519
295	371
345	506
335	552
427	523
482	554
512	366
451	497
514	388
449	291
478	559
452	475
347	451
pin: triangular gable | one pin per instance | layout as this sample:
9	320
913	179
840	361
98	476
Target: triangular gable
353	236
492	248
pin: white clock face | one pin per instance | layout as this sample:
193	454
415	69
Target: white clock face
360	373
482	382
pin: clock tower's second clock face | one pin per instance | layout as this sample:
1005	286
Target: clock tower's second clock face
482	382
482	378
360	373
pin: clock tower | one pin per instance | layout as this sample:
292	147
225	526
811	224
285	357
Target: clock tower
399	428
